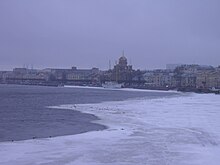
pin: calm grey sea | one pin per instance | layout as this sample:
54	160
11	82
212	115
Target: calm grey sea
24	113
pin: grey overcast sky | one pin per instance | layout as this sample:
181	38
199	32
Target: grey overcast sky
87	33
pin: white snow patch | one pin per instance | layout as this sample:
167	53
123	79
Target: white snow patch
167	131
122	89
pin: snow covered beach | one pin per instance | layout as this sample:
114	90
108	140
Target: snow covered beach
182	130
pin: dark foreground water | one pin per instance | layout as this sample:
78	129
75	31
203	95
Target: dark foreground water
24	113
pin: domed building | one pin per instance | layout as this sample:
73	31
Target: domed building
123	61
122	71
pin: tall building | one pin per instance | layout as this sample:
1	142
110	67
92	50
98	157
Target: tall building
122	72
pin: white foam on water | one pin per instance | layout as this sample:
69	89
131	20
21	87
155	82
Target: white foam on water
122	89
167	131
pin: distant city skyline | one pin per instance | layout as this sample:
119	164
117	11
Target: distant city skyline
86	34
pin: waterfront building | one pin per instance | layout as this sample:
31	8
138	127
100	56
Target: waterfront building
208	79
186	75
188	80
83	74
72	74
159	79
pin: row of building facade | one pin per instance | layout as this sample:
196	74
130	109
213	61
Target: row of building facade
183	77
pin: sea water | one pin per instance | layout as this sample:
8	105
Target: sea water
177	129
25	114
